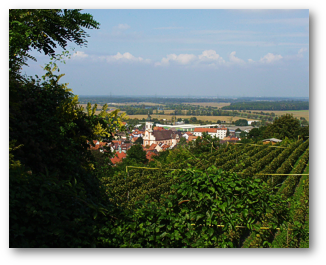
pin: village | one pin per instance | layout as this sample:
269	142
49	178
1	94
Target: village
156	138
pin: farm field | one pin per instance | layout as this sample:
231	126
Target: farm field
209	104
166	115
295	113
139	104
203	118
99	106
259	199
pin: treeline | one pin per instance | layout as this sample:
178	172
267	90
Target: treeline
177	100
158	100
265	105
205	112
178	109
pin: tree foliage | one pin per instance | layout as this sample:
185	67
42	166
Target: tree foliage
139	140
137	153
43	30
241	122
55	195
285	126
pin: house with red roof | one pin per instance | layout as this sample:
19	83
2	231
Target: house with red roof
192	138
152	147
118	157
214	132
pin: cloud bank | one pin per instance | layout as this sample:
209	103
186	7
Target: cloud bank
211	58
207	58
123	58
126	57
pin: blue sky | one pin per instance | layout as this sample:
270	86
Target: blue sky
191	52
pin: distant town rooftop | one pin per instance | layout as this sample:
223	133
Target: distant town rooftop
188	126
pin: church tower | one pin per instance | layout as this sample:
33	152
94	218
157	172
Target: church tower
148	137
149	127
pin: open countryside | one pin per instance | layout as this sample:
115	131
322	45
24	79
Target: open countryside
89	169
296	113
211	119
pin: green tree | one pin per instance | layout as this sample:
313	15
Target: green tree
303	131
193	119
241	122
44	30
254	133
137	153
55	195
206	143
285	126
139	140
243	135
183	141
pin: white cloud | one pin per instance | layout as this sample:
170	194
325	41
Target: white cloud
299	54
126	57
234	59
211	58
180	59
210	55
302	50
122	27
79	54
185	58
270	58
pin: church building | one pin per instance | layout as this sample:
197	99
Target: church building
151	136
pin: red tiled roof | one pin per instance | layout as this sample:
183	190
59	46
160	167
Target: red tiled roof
212	130
152	147
118	157
158	128
192	138
165	146
97	146
149	155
